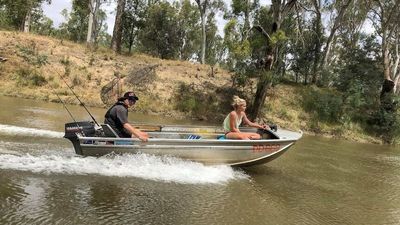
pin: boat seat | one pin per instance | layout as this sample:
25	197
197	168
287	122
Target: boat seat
108	131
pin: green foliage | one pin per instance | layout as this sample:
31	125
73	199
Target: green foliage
238	50
278	36
324	105
188	19
26	76
160	36
13	12
386	124
360	80
75	29
31	55
132	22
196	102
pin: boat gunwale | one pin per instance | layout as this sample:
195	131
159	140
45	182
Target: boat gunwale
161	146
152	140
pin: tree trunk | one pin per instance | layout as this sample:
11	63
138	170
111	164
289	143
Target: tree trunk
318	37
27	20
337	23
117	33
261	94
202	8
246	26
204	40
279	10
90	23
94	6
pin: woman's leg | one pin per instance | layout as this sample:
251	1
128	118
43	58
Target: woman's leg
242	136
254	136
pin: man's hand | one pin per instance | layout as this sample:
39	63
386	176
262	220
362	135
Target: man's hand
142	136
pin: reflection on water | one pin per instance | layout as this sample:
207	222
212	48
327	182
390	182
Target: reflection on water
318	181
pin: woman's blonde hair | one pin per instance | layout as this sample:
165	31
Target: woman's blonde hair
237	101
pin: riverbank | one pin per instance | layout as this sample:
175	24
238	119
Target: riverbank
38	67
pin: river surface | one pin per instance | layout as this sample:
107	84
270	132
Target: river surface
318	181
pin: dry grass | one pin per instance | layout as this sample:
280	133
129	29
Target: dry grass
90	71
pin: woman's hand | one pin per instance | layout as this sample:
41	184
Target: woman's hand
265	127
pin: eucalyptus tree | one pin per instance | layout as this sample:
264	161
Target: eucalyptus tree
160	36
76	26
206	7
332	14
236	49
214	43
117	32
272	36
236	33
385	17
133	21
96	18
41	24
245	9
188	19
18	13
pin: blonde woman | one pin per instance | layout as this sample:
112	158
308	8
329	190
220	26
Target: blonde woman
235	118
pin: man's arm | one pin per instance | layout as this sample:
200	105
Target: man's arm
136	132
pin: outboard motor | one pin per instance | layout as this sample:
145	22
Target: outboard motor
85	128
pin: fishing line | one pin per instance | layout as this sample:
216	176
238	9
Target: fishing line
78	99
69	112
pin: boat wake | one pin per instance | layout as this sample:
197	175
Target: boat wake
165	169
24	131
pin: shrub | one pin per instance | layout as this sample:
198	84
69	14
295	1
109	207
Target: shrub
386	123
196	102
76	80
31	55
324	105
28	77
67	66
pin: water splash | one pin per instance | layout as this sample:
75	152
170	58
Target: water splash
166	169
24	131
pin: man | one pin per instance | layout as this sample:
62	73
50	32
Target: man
117	117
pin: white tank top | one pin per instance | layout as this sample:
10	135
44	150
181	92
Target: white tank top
227	126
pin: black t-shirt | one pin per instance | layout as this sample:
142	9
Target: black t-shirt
116	117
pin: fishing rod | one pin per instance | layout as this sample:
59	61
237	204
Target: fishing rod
69	112
79	100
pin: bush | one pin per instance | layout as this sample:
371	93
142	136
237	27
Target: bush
67	66
31	55
76	80
29	77
324	105
196	103
386	123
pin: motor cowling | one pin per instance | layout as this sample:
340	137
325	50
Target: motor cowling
85	128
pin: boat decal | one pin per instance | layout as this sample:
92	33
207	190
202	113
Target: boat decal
266	148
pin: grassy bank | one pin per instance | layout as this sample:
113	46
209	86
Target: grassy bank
37	67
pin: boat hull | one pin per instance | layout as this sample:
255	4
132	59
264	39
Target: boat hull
182	142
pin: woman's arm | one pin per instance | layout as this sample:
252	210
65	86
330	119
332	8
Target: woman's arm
256	125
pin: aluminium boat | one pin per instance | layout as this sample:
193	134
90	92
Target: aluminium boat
205	144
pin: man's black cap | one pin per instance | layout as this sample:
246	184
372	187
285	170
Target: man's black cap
129	95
